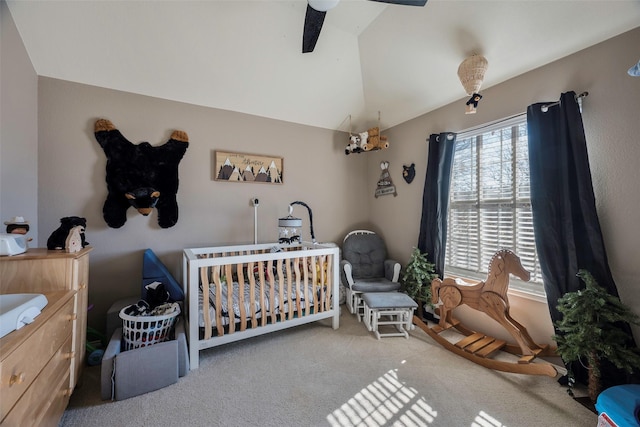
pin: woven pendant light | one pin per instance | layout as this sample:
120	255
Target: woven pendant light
471	73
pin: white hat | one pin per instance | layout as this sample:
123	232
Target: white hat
16	220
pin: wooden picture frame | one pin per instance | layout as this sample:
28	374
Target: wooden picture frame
243	167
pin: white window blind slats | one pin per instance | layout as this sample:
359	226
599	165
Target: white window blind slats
490	206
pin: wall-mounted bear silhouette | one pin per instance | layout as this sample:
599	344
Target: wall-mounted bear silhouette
140	175
409	172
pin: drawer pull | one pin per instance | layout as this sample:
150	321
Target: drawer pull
83	286
74	316
70	355
16	379
67	392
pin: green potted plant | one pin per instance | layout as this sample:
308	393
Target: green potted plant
590	332
417	277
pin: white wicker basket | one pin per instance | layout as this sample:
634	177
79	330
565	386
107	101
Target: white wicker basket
471	73
143	331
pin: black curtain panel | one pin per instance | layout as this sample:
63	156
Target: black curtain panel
432	239
567	230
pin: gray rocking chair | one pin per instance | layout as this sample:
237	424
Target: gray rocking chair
365	268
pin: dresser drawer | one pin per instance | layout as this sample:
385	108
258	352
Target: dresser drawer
21	367
45	400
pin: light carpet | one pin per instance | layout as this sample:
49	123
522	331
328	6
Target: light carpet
313	375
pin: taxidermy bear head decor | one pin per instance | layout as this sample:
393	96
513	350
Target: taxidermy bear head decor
141	175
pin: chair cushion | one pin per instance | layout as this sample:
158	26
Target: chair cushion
375	285
366	253
380	300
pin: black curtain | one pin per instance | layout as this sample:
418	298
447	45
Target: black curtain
432	239
567	230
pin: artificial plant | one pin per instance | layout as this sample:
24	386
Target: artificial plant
590	331
417	277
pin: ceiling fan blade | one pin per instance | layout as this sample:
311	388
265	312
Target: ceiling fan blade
404	2
312	25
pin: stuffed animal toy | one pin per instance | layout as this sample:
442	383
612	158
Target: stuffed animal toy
141	175
364	140
58	239
376	141
354	144
73	242
472	103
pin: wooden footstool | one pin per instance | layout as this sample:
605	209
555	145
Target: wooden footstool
395	306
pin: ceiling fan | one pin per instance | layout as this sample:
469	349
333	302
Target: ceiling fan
317	10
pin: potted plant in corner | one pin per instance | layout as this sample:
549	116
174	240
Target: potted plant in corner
417	277
590	332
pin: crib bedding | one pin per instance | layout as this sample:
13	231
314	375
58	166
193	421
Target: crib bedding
304	296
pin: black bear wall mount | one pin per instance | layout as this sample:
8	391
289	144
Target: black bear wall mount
409	172
141	175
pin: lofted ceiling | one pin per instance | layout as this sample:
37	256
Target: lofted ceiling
245	56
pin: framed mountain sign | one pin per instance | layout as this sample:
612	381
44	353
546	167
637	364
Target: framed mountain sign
241	167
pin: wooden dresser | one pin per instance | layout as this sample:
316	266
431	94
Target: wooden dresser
41	363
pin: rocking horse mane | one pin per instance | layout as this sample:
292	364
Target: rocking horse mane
501	265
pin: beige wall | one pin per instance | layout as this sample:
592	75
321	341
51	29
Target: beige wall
611	115
72	180
18	128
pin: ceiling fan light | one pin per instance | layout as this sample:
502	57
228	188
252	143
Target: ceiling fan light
323	5
471	73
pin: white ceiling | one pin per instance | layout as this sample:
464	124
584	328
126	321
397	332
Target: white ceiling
246	56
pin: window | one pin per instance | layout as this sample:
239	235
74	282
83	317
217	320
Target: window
490	205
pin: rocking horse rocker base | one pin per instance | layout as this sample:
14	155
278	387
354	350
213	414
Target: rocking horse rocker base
489	297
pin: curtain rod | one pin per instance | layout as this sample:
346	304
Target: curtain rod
546	107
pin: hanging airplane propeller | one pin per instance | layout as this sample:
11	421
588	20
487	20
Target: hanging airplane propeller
317	10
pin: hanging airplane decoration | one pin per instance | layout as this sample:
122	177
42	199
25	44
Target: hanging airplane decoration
317	10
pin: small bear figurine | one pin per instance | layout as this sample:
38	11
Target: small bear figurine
472	103
58	239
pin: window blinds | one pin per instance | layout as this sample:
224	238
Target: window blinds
490	206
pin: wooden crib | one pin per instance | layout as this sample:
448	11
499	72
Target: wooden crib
241	291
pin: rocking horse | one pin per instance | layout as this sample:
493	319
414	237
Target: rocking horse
489	297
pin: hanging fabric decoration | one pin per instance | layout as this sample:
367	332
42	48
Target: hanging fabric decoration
471	73
385	185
